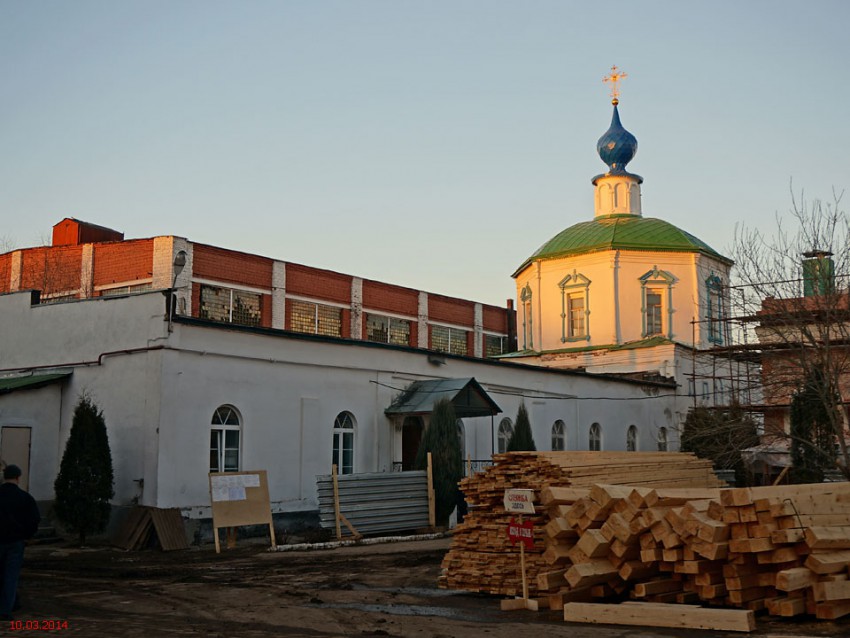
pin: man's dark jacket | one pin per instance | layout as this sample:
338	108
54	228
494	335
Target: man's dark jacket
19	517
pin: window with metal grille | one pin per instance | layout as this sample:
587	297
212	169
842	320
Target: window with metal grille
230	305
495	345
343	447
506	431
631	439
384	329
662	439
594	442
559	436
124	290
224	440
451	340
315	318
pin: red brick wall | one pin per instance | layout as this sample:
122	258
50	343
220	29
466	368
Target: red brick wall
495	319
451	310
218	264
389	298
123	261
5	271
317	284
50	269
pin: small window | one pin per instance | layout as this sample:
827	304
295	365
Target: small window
224	440
315	318
559	436
631	439
527	331
343	451
446	339
657	297
229	305
387	330
715	311
494	345
575	301
662	439
506	431
594	442
691	387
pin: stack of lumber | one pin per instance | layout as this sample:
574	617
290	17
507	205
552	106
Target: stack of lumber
784	550
481	558
146	525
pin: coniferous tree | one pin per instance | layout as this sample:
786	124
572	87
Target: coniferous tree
521	440
441	440
720	435
812	437
84	484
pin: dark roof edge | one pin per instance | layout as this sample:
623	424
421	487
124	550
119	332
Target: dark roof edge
287	334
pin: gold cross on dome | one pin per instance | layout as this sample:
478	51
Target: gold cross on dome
614	79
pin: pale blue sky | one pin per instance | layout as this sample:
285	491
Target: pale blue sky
430	144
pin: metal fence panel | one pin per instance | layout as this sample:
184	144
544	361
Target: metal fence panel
376	503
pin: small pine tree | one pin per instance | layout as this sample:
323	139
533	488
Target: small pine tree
812	439
521	440
84	484
441	440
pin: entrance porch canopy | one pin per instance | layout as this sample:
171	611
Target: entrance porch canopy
466	396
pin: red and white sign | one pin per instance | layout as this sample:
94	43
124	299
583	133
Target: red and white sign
521	533
519	501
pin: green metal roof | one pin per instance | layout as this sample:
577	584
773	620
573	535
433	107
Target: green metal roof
466	395
620	232
10	384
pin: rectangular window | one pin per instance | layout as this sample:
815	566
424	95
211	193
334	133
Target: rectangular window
575	312
124	290
230	305
224	450
451	340
494	345
653	312
715	316
387	330
314	318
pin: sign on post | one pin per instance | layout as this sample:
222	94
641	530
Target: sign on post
520	502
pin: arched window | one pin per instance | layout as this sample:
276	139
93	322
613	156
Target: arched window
631	439
461	437
662	439
224	439
559	436
506	430
343	456
594	439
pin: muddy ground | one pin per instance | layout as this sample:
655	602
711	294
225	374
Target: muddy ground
376	590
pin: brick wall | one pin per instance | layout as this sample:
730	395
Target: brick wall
450	310
118	262
495	319
318	284
5	271
51	270
219	264
389	298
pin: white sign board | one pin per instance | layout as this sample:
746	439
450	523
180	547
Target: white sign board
519	501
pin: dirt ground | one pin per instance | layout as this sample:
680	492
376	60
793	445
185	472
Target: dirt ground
376	590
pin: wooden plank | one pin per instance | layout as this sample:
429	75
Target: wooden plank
593	543
168	524
827	537
661	615
795	579
834	590
828	562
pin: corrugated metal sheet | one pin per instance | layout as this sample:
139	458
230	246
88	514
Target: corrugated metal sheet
376	503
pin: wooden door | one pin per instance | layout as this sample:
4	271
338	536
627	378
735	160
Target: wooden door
15	450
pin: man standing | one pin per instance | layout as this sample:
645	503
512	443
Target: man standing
19	519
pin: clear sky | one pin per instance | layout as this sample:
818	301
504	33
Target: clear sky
434	144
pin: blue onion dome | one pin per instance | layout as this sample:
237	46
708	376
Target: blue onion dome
617	146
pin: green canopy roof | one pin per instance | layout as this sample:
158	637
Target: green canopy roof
10	384
620	232
466	395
